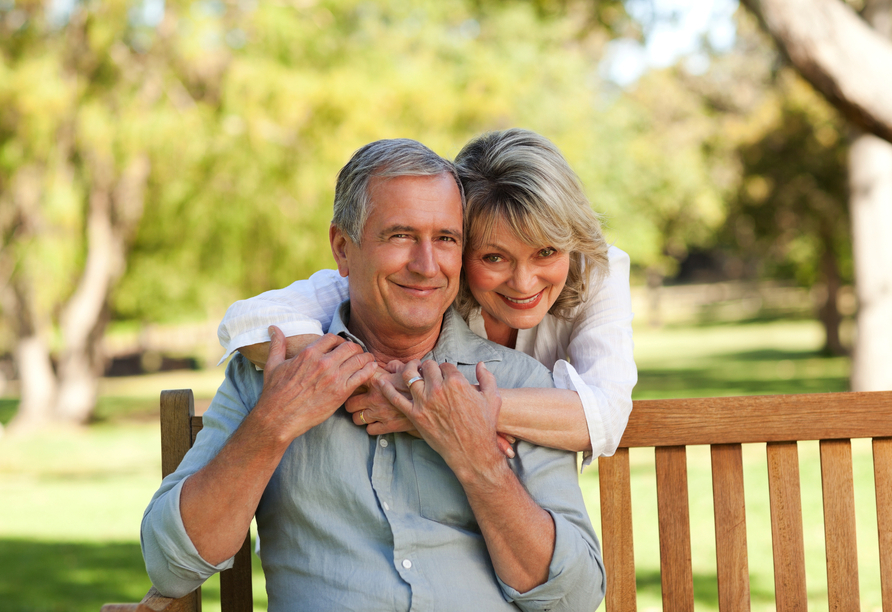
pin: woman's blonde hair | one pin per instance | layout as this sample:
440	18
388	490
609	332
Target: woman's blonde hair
520	178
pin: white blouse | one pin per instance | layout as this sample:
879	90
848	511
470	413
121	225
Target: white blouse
597	340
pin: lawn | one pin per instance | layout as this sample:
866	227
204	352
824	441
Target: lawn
69	528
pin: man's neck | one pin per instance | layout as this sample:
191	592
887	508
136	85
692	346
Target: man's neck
387	347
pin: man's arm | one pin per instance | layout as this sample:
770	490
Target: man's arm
459	422
218	501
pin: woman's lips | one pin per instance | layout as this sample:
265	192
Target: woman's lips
522	303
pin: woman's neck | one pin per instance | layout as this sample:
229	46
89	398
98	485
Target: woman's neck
498	332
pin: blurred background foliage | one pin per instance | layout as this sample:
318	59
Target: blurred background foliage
199	143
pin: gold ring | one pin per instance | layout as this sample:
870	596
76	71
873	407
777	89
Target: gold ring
413	380
362	417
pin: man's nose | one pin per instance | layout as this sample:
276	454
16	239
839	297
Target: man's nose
424	260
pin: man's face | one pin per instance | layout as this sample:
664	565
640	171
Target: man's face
406	273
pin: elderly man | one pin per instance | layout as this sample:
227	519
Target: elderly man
349	521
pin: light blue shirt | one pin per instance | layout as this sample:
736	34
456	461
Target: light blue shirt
353	522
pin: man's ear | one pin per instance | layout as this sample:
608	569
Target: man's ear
339	244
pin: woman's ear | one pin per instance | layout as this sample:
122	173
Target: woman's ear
339	245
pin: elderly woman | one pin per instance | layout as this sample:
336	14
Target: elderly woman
538	276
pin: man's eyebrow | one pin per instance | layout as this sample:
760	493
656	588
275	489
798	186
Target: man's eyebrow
408	229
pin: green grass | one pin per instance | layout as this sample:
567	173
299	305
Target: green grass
72	500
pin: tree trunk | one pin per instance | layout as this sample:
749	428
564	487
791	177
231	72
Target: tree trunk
829	310
113	217
870	177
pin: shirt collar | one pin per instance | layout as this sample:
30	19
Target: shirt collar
456	345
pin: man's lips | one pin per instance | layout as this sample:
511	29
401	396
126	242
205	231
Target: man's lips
522	303
419	289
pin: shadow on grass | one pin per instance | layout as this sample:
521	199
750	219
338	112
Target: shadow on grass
80	577
696	383
8	406
63	577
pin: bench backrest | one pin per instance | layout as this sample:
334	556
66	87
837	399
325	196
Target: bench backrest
724	424
179	427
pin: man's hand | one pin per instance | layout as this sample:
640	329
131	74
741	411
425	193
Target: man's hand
455	418
218	502
459	422
301	392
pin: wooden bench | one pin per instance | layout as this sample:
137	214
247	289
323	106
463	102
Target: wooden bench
179	426
669	426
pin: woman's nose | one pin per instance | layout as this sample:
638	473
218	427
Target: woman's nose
523	280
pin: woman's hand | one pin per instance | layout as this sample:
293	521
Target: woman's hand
369	407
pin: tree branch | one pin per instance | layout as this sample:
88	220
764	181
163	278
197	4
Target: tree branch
838	53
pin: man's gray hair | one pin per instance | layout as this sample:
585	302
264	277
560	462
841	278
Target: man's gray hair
381	159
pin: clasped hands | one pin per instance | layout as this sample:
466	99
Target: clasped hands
440	400
445	409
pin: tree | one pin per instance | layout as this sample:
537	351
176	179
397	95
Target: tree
847	60
789	216
75	148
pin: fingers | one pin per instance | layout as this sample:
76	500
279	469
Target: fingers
395	366
487	381
505	446
397	399
276	349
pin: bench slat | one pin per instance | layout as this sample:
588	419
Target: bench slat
675	528
732	567
760	418
786	526
616	527
882	474
839	525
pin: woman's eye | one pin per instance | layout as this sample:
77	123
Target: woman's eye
547	252
492	258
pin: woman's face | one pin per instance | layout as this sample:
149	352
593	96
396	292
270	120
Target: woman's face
514	283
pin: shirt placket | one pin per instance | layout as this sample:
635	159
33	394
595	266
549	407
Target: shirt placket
394	502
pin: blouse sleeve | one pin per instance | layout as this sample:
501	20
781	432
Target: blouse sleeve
600	349
304	307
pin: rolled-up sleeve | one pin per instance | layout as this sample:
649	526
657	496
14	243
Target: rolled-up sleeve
172	561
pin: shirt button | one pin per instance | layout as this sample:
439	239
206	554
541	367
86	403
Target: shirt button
386	507
384	443
407	564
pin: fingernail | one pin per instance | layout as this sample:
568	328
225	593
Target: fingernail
510	453
511	439
271	330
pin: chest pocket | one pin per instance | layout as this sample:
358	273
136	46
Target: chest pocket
441	495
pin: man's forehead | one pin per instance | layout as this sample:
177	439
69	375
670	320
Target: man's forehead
409	201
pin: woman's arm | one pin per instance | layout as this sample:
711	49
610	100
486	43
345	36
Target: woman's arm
304	307
548	417
600	348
